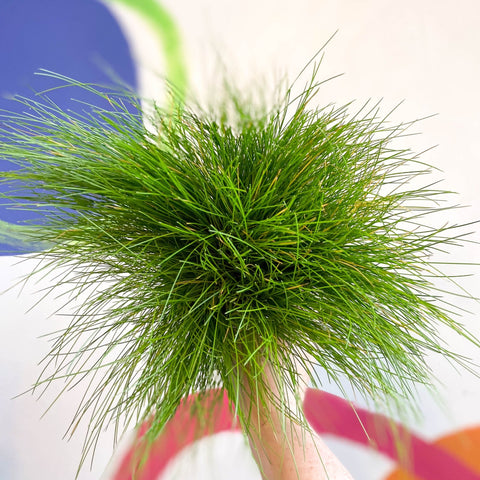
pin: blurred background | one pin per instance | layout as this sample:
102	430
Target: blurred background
423	54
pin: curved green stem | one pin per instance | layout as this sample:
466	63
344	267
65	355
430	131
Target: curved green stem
168	33
17	236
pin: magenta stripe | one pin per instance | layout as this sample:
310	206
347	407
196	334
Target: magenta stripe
328	413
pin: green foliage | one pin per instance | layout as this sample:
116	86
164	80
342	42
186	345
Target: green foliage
222	243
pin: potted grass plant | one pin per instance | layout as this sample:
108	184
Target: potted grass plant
237	248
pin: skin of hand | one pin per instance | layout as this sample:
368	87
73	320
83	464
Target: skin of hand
284	449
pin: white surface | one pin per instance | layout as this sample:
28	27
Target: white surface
31	447
222	456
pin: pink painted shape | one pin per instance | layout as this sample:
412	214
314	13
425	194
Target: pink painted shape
182	430
328	413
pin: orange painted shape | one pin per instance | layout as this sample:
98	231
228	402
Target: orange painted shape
464	445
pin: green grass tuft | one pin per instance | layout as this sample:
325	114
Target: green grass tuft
214	247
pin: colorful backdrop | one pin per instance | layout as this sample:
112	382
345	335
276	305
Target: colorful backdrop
423	53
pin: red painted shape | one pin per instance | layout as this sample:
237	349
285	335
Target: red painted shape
328	413
182	430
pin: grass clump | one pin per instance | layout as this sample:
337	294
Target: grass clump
216	244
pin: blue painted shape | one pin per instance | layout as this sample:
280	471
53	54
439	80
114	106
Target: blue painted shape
77	38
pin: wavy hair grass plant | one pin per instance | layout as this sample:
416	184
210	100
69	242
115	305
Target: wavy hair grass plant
223	243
